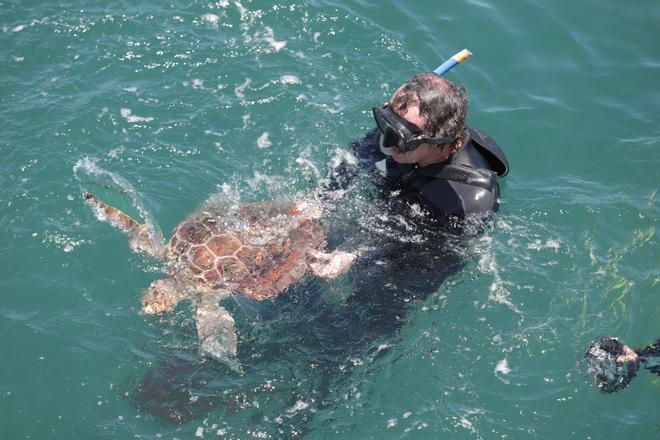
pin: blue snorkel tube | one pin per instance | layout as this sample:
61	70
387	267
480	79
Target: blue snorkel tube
451	62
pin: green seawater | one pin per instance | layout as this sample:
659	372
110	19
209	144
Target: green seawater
255	100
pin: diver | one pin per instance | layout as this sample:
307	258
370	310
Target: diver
423	153
613	364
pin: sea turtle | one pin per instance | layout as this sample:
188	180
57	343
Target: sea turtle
255	250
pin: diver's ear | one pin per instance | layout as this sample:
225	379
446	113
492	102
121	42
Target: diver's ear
456	146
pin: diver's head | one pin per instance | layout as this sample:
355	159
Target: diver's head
426	111
612	364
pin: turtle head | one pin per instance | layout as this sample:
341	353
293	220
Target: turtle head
161	296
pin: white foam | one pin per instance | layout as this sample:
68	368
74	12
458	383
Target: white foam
502	367
538	245
552	244
269	37
488	264
289	79
383	347
465	423
263	141
67	244
116	152
357	362
211	19
310	165
239	90
241	10
298	406
127	114
88	172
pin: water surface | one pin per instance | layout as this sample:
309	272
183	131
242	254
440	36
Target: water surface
254	100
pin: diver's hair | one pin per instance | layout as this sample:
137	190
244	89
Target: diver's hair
442	104
611	345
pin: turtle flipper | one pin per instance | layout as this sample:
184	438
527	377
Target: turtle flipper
162	296
140	236
330	266
216	332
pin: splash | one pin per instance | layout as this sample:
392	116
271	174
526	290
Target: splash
264	141
127	114
488	265
89	173
66	243
212	19
502	367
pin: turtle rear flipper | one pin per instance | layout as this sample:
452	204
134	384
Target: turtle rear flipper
216	332
140	236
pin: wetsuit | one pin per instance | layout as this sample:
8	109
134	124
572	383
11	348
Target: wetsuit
651	357
465	185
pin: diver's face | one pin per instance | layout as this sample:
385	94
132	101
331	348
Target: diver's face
425	154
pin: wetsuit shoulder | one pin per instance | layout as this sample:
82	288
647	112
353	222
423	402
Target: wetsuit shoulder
455	197
490	150
445	198
651	357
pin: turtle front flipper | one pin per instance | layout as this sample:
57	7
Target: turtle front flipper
331	265
216	332
163	295
140	237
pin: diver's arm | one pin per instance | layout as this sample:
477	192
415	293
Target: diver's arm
367	149
650	356
345	165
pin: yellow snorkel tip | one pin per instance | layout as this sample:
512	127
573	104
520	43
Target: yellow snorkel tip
462	55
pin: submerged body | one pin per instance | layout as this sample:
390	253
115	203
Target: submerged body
613	364
254	250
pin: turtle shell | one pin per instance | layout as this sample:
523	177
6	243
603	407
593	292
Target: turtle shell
257	250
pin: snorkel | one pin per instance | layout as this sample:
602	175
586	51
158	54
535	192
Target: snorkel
399	135
452	62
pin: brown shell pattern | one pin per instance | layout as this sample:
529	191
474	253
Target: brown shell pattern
238	258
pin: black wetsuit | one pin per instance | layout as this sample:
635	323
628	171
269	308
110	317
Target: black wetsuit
650	356
463	186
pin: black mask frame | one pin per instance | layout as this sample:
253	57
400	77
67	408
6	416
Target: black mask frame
402	134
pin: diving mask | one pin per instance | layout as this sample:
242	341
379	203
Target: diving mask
399	134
